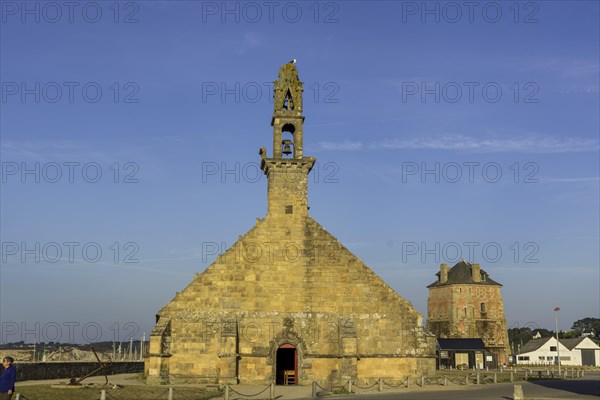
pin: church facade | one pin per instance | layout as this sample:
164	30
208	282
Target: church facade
464	302
287	302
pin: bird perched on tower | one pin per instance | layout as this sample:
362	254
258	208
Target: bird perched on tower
293	61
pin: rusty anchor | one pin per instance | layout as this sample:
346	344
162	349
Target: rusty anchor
101	366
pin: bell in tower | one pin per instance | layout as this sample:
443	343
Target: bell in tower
287	114
287	147
287	170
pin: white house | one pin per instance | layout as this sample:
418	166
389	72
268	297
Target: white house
543	352
575	352
583	351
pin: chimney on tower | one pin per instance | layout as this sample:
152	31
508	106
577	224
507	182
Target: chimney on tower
476	272
443	273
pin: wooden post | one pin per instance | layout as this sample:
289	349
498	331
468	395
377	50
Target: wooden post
272	391
512	376
582	373
314	389
408	382
526	375
422	381
445	380
466	379
380	384
226	392
170	393
478	377
495	377
349	385
103	394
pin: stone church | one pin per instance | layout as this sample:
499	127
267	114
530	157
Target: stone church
287	303
464	302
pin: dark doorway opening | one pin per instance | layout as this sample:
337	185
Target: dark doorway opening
588	358
286	364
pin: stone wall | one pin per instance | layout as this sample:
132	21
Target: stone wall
228	323
67	370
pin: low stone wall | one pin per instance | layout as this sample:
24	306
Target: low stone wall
67	370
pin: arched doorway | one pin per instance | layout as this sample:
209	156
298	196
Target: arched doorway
286	365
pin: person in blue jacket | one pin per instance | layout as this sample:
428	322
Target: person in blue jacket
7	379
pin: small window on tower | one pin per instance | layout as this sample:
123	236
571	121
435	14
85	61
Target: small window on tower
288	102
289	209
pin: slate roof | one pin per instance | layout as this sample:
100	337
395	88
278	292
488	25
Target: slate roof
534	344
461	273
573	342
461	344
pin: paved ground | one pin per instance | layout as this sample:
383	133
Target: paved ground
587	388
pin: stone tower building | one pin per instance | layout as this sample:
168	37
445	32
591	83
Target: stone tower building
465	302
287	301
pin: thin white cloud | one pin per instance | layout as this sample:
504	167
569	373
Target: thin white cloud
345	146
526	144
572	180
251	40
570	76
570	69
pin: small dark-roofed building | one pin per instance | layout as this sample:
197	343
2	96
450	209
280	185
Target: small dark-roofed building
464	302
588	332
461	353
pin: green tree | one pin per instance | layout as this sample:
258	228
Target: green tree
587	324
518	337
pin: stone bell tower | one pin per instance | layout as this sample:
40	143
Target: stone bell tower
287	302
287	171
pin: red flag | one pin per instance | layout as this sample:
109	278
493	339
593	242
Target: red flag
557	309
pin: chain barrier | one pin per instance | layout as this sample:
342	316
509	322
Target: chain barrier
219	393
422	381
403	383
365	387
249	395
333	388
191	396
457	381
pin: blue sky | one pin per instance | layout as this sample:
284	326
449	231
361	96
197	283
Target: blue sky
442	130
